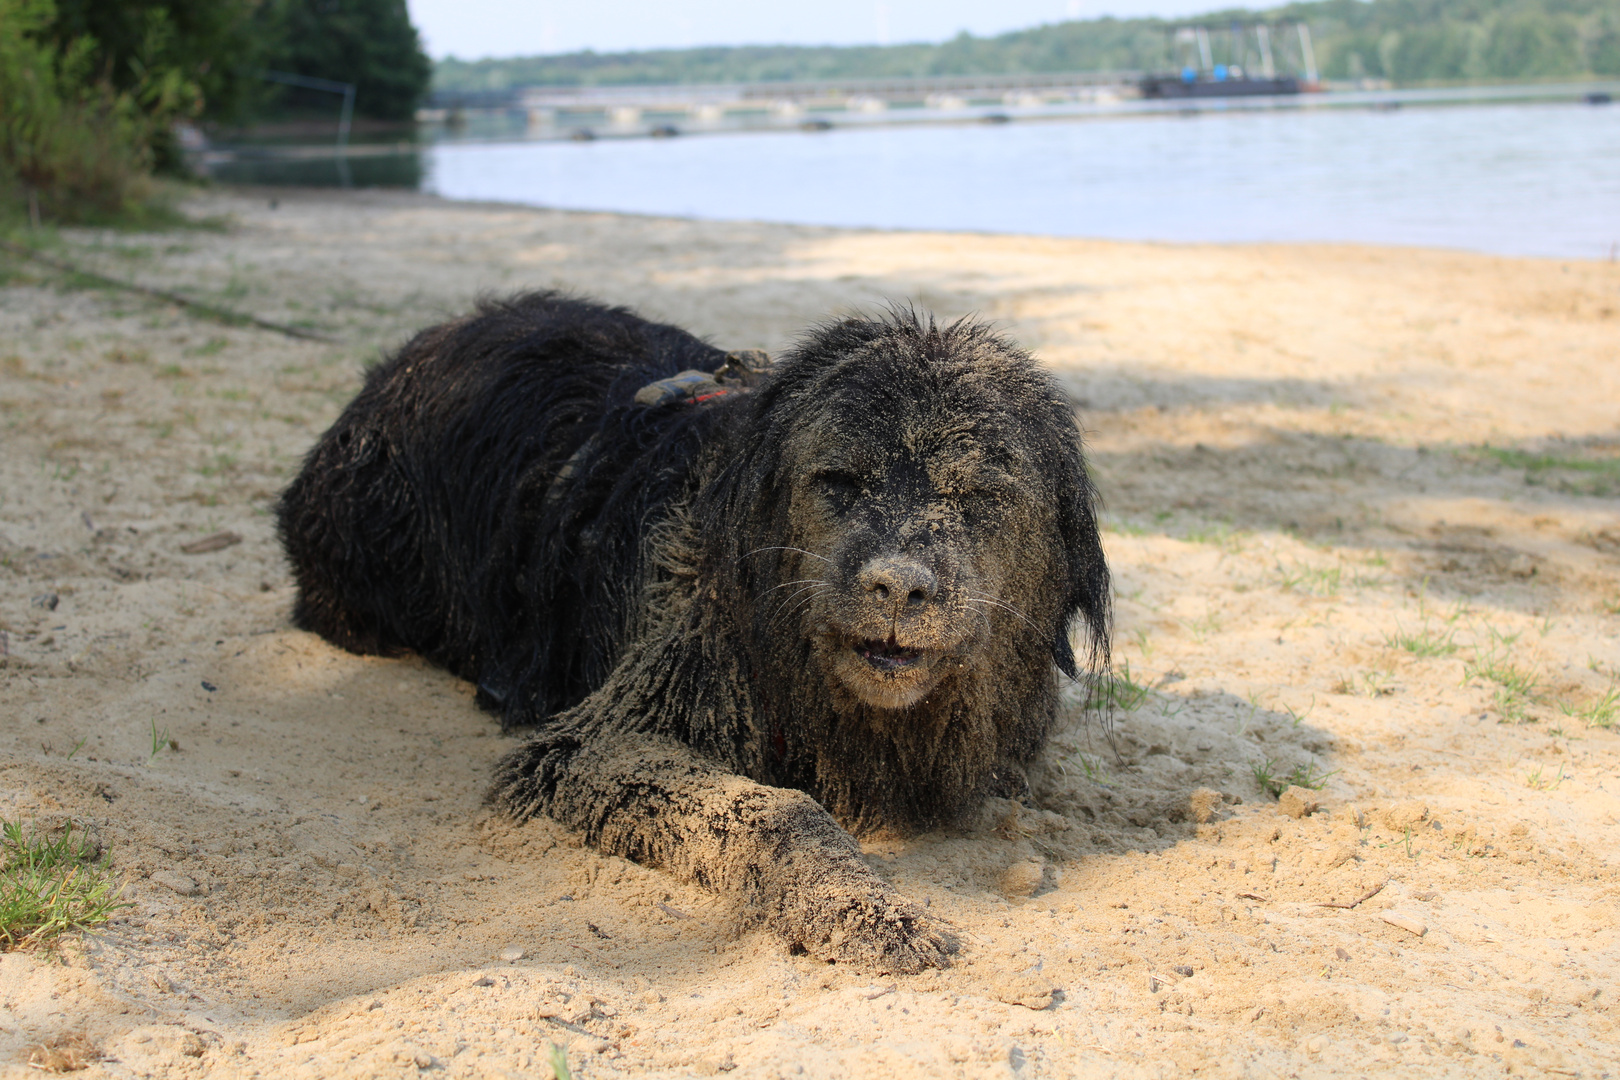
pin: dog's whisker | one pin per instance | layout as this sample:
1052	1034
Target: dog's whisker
996	600
801	581
810	589
1006	607
783	547
783	611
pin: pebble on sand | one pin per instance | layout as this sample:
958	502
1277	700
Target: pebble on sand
1024	877
1297	802
177	882
1406	922
1205	804
1405	815
1027	988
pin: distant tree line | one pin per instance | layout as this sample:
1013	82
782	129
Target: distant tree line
1411	41
1406	41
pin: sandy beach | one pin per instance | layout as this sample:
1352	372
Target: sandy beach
1363	509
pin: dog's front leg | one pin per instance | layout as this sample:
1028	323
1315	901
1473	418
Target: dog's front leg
652	799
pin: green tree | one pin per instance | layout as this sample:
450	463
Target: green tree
370	43
1431	52
203	48
1603	50
1530	43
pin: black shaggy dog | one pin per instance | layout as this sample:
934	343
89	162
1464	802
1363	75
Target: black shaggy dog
737	616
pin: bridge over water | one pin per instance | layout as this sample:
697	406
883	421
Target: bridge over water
613	110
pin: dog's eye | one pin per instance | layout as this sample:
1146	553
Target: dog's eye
840	487
985	507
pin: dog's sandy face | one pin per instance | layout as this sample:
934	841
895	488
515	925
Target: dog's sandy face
922	543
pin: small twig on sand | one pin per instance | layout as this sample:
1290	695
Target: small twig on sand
1251	896
213	311
213	542
1376	889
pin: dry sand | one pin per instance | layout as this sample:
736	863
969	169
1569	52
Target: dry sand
1292	442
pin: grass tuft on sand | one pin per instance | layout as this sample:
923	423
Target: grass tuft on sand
51	885
1306	775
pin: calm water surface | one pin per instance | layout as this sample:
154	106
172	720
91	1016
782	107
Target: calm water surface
1513	179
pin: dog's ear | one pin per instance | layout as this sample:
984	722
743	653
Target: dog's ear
1063	652
1085	588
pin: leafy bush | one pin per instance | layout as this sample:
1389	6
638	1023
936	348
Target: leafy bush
205	52
177	58
74	146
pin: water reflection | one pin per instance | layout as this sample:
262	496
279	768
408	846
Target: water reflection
391	170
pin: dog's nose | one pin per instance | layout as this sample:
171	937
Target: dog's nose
899	583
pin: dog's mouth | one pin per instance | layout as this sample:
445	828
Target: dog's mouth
890	673
888	656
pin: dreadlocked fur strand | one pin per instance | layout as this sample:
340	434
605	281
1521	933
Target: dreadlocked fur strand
842	597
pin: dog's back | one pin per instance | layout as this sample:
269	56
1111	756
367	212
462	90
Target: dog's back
463	504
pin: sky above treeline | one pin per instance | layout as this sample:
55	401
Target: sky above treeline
474	29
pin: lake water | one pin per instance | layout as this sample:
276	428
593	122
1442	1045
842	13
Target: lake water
1528	179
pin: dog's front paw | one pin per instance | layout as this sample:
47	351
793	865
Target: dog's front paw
849	915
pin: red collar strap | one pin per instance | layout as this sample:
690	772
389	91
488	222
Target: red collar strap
740	373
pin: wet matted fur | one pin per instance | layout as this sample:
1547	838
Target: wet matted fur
841	597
